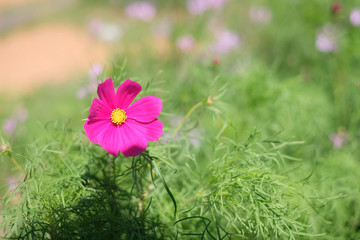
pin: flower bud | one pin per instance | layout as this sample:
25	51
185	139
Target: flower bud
336	8
209	101
216	61
4	149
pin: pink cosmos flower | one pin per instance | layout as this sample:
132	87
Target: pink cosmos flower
327	39
339	139
95	70
94	73
200	6
19	116
118	126
13	182
226	41
355	17
141	10
9	126
185	43
260	14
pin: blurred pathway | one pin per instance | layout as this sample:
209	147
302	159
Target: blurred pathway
48	53
10	17
8	4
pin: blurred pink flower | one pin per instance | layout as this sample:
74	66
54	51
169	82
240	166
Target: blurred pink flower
226	41
95	26
355	17
13	182
185	43
216	61
260	14
141	10
338	139
327	39
95	70
116	126
9	126
200	6
20	115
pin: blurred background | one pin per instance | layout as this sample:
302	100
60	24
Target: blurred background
287	66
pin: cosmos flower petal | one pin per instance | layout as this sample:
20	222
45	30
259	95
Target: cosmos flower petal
122	138
141	10
110	139
126	93
145	109
106	92
99	115
99	110
94	128
151	131
131	144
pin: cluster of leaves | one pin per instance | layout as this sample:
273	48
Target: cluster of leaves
73	190
228	188
240	195
70	192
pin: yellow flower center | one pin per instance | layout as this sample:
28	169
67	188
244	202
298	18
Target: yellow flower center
118	116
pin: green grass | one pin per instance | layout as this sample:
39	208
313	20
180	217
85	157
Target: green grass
264	166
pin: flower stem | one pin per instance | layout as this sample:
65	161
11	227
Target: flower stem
16	164
186	117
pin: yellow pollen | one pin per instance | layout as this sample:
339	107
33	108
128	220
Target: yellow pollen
118	116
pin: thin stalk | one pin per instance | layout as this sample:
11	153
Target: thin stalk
16	164
186	117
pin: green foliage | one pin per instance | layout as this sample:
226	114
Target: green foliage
73	193
213	177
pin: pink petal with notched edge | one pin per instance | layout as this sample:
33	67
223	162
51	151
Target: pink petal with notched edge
106	92
130	138
99	110
94	128
122	138
99	115
126	93
151	131
136	135
132	144
112	138
146	109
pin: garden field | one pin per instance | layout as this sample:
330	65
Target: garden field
180	119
